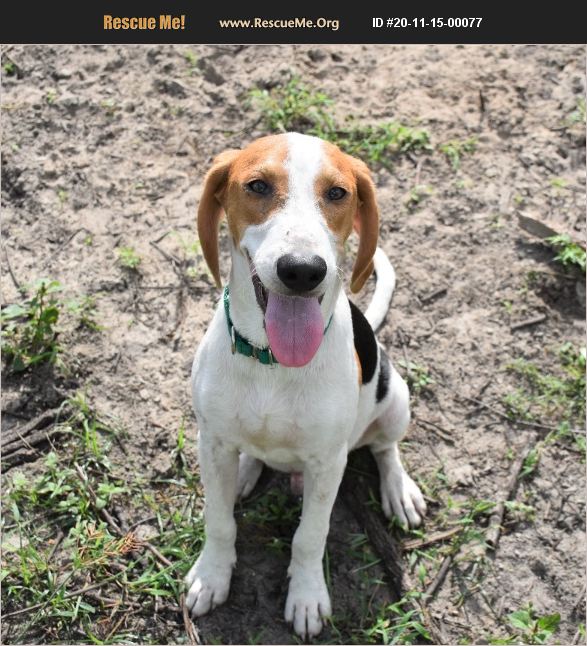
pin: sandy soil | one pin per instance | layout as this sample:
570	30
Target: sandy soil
107	146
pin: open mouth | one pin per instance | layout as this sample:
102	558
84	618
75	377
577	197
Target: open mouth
294	324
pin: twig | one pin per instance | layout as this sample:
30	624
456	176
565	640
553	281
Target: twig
103	512
18	286
433	588
435	428
190	629
69	595
540	318
58	541
62	246
496	518
143	521
419	170
441	291
157	554
116	627
435	538
116	527
172	259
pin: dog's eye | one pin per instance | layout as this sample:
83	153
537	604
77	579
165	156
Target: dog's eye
259	186
336	193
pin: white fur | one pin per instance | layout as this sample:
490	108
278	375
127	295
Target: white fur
293	419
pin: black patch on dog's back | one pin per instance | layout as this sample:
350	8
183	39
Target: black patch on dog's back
365	343
383	379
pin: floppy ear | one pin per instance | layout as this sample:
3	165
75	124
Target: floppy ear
366	224
210	210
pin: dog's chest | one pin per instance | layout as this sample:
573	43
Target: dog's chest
278	421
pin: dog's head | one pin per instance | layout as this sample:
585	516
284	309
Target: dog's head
291	202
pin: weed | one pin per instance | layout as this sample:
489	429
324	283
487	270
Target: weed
274	507
530	463
559	183
128	258
455	149
9	67
192	61
530	628
417	195
508	306
29	334
57	545
520	511
84	308
564	432
496	221
418	376
51	96
109	106
378	143
570	254
578	115
399	623
296	107
557	396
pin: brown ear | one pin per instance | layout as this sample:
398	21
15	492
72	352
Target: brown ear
366	224
210	210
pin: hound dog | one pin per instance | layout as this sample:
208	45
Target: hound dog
289	373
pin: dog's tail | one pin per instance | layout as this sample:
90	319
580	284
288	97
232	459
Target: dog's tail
384	287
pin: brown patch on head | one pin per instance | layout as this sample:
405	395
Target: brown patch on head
225	189
264	160
337	170
357	209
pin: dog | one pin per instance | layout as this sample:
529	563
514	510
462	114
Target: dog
289	372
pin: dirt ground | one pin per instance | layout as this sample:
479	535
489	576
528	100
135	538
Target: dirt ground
106	147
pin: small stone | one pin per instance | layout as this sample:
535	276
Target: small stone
62	74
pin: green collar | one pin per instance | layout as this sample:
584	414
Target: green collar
242	346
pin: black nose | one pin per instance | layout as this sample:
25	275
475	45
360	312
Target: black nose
300	273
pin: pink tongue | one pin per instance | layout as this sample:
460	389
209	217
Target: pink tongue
295	328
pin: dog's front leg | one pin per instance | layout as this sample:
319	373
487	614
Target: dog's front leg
208	581
308	600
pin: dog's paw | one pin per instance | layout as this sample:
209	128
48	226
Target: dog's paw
308	603
249	470
401	496
208	584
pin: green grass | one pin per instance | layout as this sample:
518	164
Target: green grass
578	114
569	253
529	628
84	580
417	195
295	106
398	623
560	397
9	67
29	329
455	149
417	376
84	309
128	258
